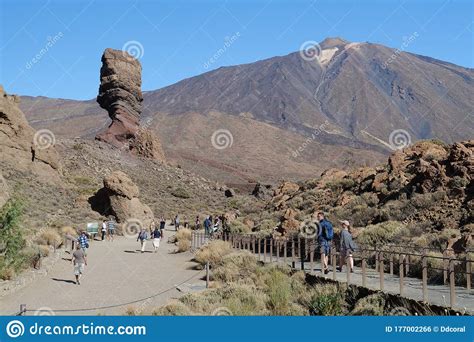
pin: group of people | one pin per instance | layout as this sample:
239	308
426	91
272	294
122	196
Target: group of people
325	235
108	229
156	234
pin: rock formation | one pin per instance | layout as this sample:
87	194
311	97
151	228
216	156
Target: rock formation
120	94
120	197
4	191
21	147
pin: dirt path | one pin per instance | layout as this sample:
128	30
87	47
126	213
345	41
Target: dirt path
117	273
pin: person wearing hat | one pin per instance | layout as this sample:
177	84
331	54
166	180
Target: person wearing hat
347	246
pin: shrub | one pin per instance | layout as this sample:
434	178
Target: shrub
458	182
49	237
184	234
238	227
180	193
172	309
184	245
235	266
327	300
11	238
279	292
67	230
382	233
372	305
213	252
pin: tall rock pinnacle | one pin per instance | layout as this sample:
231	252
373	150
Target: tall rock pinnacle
120	94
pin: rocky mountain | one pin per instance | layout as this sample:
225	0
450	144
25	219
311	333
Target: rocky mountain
338	104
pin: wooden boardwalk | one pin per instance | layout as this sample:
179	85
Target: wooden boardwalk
376	269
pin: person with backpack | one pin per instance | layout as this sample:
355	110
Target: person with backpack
142	237
176	223
79	260
83	242
347	247
156	235
325	236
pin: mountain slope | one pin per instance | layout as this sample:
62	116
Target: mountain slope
290	116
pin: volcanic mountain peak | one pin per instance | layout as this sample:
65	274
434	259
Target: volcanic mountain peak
332	42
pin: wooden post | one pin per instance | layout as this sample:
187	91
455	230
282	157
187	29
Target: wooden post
264	249
285	252
278	251
293	251
376	259
452	292
271	250
259	241
424	266
333	261
407	265
391	264
302	250
253	246
207	275
400	269
445	269
22	310
381	269
348	267
311	255
468	272
364	271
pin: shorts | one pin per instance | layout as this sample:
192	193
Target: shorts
346	253
78	269
156	243
325	247
111	231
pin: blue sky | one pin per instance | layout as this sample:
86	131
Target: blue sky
53	48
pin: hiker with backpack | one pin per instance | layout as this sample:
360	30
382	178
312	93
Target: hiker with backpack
325	236
142	237
156	235
347	247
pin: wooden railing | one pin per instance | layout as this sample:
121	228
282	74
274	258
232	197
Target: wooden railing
402	261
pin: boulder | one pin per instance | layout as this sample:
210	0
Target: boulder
120	197
21	147
229	192
262	191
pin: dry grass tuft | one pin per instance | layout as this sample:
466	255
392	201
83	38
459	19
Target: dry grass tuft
213	252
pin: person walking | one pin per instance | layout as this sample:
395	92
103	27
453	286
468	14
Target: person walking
111	228
142	237
325	236
347	247
186	222
176	223
156	235
207	225
104	229
162	226
83	242
79	261
197	223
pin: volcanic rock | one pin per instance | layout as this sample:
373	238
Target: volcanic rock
21	147
119	197
120	94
